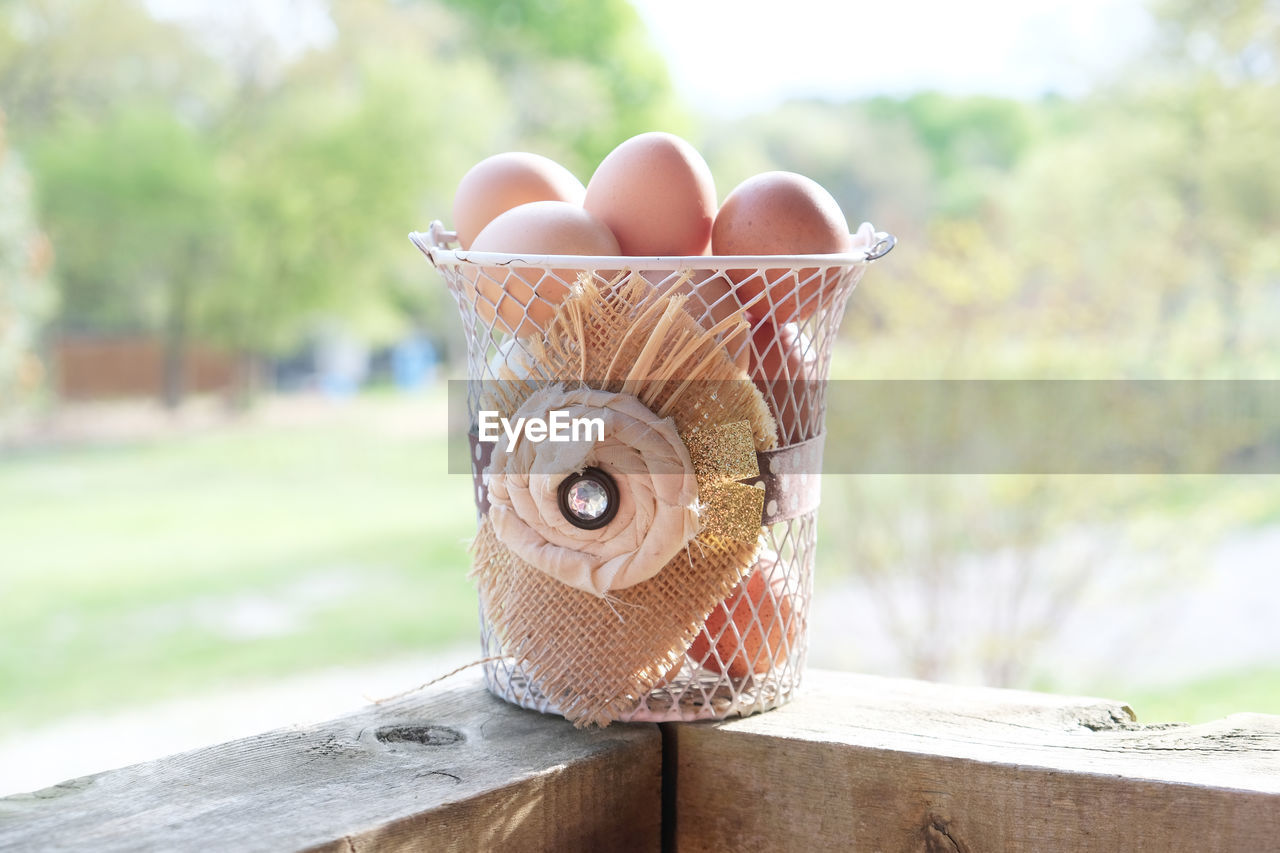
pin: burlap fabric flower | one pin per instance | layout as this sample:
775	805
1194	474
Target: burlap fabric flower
596	618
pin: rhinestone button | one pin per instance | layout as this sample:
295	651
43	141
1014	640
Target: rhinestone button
588	500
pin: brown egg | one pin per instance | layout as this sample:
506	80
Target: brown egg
784	368
750	630
498	183
781	213
524	299
656	193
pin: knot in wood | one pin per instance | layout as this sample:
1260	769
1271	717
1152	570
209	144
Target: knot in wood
938	838
426	735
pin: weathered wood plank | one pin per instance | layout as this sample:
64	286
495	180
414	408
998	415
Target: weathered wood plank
855	762
865	763
445	769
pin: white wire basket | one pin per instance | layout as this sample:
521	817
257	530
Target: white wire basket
750	654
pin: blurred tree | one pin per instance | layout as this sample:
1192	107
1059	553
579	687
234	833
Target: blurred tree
26	299
330	163
1095	226
970	140
927	168
83	58
212	184
1162	204
1236	41
233	196
1134	230
1211	83
961	570
580	75
842	147
134	207
113	107
956	290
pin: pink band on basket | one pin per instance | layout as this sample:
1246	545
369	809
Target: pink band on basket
790	477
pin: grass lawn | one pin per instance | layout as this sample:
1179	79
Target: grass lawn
140	571
1255	690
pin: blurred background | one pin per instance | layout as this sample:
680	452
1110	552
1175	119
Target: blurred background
223	498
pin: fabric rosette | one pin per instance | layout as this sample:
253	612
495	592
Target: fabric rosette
657	495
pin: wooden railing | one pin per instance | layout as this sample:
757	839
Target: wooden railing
853	763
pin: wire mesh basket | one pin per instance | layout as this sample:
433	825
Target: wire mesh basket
749	653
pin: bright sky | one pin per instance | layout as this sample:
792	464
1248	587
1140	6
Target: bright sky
733	56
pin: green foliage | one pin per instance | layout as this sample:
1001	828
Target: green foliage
1236	41
135	211
593	54
969	141
875	168
239	197
1128	233
326	181
83	58
26	300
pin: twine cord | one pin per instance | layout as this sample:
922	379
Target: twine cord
439	678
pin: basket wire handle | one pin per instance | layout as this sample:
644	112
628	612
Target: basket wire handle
440	236
882	246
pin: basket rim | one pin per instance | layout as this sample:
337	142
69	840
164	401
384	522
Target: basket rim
434	243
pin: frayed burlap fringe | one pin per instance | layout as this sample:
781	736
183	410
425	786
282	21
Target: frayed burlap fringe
594	657
627	336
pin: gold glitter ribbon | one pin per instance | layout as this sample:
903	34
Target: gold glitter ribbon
721	455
